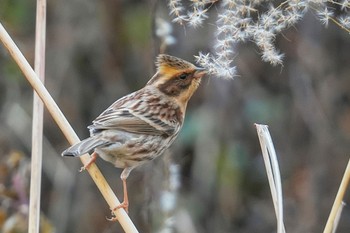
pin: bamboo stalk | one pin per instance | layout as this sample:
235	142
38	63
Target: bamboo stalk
37	124
338	200
66	128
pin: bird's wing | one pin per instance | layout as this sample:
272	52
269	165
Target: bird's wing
119	116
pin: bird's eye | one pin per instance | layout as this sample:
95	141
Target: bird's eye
183	76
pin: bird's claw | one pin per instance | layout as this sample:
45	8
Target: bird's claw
88	164
113	218
85	167
124	205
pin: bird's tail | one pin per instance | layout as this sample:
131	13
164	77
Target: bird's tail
86	146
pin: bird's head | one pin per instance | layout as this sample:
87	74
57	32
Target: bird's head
176	78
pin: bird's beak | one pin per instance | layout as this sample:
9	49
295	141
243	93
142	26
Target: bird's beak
200	72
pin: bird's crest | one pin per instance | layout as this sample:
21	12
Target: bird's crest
167	62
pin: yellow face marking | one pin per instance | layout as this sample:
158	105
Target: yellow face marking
168	72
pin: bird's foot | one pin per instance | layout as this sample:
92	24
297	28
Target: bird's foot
113	218
88	164
124	205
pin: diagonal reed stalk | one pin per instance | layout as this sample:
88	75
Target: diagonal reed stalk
338	202
37	124
66	128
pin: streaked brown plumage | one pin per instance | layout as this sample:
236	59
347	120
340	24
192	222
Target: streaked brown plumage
142	125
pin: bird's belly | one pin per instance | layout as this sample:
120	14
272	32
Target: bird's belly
134	152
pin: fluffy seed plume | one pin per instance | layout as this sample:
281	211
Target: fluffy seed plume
239	21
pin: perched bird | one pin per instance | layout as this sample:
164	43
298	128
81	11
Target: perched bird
142	125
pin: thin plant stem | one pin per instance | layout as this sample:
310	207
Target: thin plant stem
67	129
273	173
338	200
337	217
37	124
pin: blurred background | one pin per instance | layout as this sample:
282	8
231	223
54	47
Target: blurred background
213	178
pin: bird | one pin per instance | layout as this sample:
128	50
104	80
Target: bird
140	126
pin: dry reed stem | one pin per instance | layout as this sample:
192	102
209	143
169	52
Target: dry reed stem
273	173
337	217
337	205
37	124
66	128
